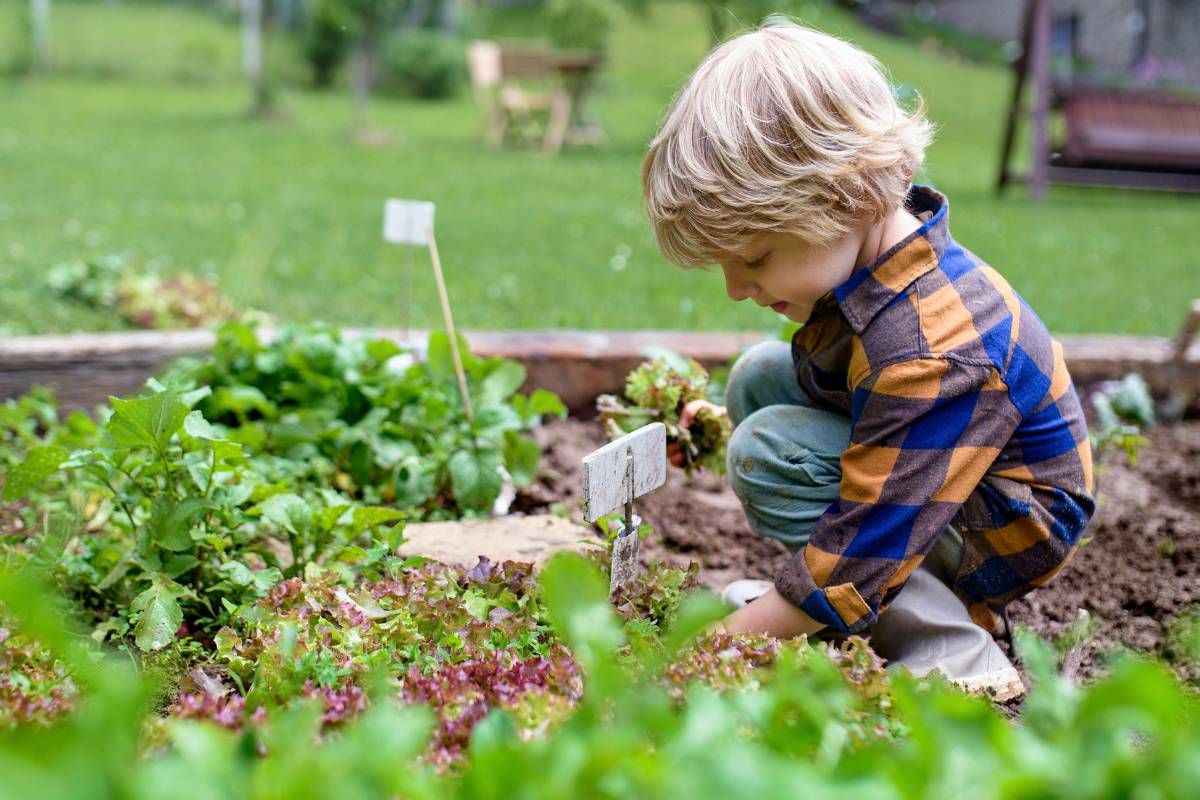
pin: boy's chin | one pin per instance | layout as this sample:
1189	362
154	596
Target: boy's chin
797	313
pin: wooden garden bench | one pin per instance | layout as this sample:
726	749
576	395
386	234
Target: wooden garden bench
1112	137
1141	130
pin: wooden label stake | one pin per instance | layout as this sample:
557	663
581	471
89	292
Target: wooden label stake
614	476
448	318
410	222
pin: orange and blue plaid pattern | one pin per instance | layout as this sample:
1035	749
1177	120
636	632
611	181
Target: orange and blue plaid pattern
962	413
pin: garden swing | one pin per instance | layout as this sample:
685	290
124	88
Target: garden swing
1136	138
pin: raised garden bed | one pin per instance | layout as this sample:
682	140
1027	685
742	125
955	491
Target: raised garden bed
248	558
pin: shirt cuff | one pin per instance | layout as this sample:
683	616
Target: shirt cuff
840	606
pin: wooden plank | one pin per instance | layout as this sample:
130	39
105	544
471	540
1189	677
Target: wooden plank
606	471
1126	178
1187	332
85	368
1118	179
624	569
578	365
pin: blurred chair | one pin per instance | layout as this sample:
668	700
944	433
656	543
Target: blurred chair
520	91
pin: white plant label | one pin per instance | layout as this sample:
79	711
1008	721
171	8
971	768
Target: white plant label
606	471
406	221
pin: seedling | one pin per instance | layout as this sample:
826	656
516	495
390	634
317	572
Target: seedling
616	475
658	391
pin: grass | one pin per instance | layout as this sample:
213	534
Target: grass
137	142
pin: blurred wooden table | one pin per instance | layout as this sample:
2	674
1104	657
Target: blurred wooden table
576	122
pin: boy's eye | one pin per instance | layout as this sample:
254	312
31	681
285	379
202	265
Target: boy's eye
758	262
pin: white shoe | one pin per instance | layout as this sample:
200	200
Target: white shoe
999	685
739	593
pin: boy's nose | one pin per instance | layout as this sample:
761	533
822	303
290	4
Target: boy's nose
737	287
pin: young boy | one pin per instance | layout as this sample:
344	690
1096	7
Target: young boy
920	447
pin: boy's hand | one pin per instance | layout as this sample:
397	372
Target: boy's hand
675	453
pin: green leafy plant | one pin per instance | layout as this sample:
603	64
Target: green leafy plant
23	421
177	531
1123	409
720	716
657	391
141	296
33	419
422	63
357	415
35	687
580	24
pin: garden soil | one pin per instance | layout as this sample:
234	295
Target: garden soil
1138	572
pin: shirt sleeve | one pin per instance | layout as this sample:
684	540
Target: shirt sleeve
924	432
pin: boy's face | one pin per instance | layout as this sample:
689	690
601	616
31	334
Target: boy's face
787	274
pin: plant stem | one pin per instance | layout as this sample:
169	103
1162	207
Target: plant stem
121	503
127	474
212	475
172	484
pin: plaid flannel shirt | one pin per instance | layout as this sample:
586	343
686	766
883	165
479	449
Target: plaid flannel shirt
961	412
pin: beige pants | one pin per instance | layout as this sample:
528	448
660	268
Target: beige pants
927	626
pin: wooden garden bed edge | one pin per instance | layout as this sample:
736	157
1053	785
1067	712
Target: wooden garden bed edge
86	368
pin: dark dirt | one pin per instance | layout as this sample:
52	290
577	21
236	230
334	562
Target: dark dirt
1141	569
1139	572
697	519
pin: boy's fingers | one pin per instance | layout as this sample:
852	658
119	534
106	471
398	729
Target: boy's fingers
689	413
693	408
715	628
675	454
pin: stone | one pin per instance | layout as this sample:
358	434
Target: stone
514	538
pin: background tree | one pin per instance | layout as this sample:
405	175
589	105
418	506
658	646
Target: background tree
371	21
580	24
39	35
726	17
328	40
256	25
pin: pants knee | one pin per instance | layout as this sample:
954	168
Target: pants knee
795	449
742	452
784	485
761	376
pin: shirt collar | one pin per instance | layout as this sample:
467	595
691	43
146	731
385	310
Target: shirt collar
868	289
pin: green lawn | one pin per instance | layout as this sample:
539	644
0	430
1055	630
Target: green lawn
137	143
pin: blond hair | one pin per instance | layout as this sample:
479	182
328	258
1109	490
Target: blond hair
782	129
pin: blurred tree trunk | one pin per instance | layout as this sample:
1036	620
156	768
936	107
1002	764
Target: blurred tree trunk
361	57
256	25
39	30
373	20
448	15
416	14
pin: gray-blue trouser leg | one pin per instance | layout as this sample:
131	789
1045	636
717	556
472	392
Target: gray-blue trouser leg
784	455
785	466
